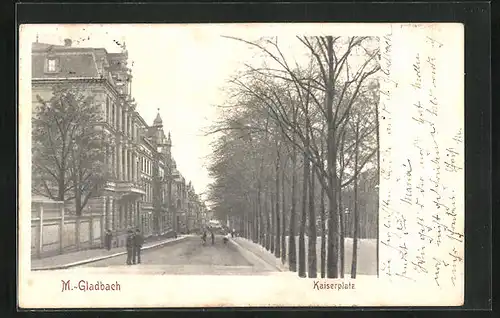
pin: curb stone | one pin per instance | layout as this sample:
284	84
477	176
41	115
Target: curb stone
250	254
100	258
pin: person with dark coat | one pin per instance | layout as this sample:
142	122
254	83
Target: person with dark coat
213	237
204	237
130	247
107	239
138	241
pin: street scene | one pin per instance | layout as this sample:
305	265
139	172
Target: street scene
188	257
203	153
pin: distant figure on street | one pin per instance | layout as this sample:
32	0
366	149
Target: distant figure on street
213	237
107	239
130	246
138	241
204	237
233	233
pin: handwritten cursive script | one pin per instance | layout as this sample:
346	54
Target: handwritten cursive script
421	211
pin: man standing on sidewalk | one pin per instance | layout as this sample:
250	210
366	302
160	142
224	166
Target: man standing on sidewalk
138	241
107	239
130	247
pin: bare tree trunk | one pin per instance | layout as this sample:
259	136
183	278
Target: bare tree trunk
248	226
255	222
292	256
312	261
259	217
77	185
283	209
246	219
332	253
61	184
323	234
241	223
78	199
303	220
342	233
277	251
262	223
264	216
270	225
356	209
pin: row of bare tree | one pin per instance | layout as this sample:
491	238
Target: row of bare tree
297	138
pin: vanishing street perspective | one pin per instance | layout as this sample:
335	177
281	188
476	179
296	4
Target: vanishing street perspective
204	155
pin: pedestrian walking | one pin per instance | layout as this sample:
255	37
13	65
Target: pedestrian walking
213	237
130	246
204	237
138	241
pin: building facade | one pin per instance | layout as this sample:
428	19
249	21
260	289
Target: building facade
143	188
179	196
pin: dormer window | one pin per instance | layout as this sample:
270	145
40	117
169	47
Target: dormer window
52	65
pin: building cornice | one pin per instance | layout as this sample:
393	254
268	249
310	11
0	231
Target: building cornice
93	80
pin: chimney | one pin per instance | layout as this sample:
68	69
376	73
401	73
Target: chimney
67	42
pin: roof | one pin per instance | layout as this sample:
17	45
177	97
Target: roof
158	121
75	62
81	65
37	46
141	119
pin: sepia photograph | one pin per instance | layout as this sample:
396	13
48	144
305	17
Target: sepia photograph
298	161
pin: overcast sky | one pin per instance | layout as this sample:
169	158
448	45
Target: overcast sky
181	70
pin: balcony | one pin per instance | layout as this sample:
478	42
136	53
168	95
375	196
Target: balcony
110	186
125	188
129	186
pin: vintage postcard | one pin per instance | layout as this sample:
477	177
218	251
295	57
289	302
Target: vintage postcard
241	165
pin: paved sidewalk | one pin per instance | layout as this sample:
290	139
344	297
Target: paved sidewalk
88	256
260	252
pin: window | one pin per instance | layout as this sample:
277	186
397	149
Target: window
107	109
122	126
52	65
112	119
